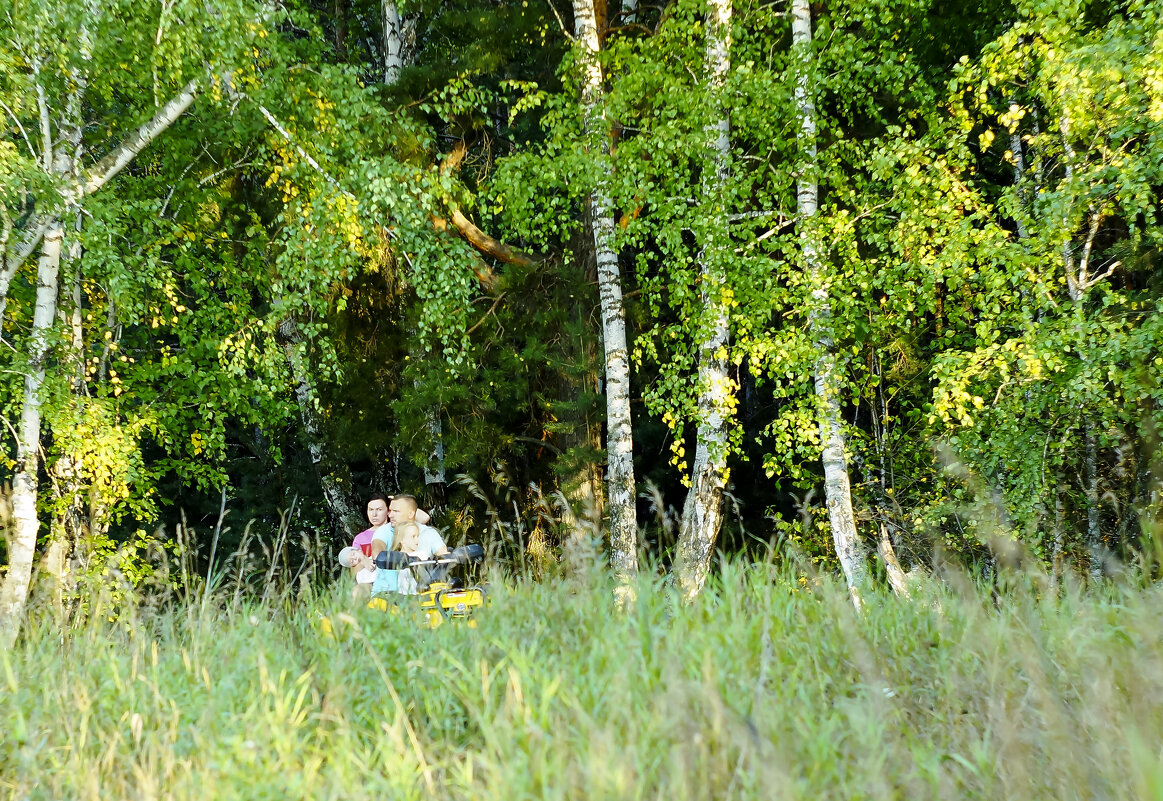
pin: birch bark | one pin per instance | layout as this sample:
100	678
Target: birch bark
702	514
25	523
435	479
892	566
393	42
837	489
1078	281
49	233
619	441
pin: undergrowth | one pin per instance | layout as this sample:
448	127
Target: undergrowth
770	686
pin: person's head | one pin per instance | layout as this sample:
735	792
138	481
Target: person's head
402	509
377	510
407	536
348	556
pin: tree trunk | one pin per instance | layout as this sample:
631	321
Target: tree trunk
619	440
1094	542
49	233
703	512
341	30
837	490
69	527
1078	283
393	42
1059	536
892	566
435	480
333	475
22	547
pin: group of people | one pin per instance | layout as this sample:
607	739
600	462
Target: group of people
397	523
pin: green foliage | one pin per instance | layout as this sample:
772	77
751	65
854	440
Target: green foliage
767	687
989	216
1066	100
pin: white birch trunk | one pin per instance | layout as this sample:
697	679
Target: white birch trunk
892	566
703	512
393	42
1078	281
22	547
67	531
619	440
434	475
434	468
48	232
837	490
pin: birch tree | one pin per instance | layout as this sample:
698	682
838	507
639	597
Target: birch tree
837	487
393	46
57	94
702	513
1083	153
621	495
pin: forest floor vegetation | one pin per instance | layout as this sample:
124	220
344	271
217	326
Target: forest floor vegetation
769	686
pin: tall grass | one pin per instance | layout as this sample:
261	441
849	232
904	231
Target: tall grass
768	687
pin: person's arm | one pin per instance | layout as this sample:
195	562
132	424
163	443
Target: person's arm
379	543
359	564
434	543
422	517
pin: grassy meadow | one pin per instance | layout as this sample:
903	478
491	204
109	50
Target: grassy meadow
769	687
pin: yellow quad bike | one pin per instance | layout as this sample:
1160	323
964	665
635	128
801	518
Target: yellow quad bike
441	598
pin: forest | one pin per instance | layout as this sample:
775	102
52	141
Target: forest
701	306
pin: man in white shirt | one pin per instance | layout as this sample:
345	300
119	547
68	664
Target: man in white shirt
403	509
377	515
424	542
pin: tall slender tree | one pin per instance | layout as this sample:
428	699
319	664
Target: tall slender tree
62	131
702	513
621	495
837	487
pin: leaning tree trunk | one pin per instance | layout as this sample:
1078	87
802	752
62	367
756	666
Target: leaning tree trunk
619	440
892	566
703	512
334	477
837	490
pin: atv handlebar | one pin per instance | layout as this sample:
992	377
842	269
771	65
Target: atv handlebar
395	560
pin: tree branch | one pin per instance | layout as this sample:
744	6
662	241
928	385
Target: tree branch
474	235
1084	261
488	245
103	171
303	154
23	249
23	133
493	308
45	129
454	159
